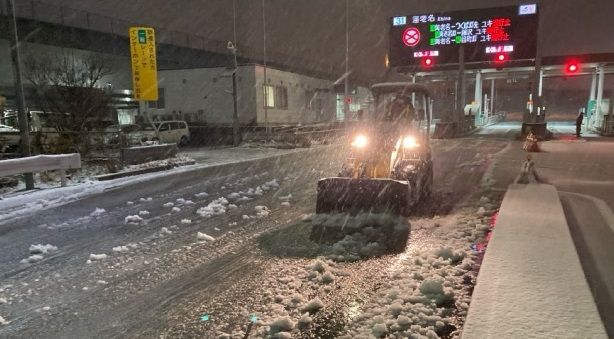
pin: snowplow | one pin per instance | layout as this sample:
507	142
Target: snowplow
389	168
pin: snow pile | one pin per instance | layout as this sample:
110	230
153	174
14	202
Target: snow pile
144	213
281	324
216	207
121	249
129	203
146	199
182	201
176	209
38	252
313	305
186	221
42	249
425	293
133	219
285	197
201	195
364	235
3	321
126	248
168	204
261	211
96	257
204	237
165	231
32	259
98	212
285	203
270	185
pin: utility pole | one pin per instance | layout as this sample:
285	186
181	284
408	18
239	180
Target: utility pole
22	117
346	104
264	83
235	114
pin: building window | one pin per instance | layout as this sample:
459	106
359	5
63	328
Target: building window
281	97
276	97
269	96
160	103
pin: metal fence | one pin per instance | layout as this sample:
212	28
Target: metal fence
70	17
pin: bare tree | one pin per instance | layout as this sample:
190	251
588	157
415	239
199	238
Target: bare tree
69	84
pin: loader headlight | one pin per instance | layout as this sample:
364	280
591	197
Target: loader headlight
360	141
410	142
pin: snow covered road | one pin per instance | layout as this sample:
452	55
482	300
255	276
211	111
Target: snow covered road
153	259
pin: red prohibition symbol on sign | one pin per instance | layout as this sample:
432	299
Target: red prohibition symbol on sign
411	36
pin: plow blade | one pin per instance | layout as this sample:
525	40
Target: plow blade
348	195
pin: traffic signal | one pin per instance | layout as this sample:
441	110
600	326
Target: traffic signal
572	67
500	60
428	62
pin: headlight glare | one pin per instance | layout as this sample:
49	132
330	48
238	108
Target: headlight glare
360	141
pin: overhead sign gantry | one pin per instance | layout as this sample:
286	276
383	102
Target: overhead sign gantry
490	35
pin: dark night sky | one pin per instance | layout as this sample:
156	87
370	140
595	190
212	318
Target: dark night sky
315	29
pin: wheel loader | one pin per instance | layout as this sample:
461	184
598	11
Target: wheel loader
389	168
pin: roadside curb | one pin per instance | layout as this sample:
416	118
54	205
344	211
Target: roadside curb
531	282
118	175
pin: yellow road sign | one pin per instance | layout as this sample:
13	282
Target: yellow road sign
144	66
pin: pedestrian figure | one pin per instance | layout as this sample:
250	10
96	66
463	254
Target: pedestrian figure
527	171
530	143
579	120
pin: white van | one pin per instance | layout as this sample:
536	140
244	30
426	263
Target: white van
173	132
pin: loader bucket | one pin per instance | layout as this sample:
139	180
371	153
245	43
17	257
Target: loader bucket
348	195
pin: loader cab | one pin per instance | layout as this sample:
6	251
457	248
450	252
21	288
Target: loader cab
403	104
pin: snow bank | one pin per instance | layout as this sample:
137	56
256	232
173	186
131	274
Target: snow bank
176	209
98	212
169	204
144	213
204	237
201	195
165	231
133	219
3	321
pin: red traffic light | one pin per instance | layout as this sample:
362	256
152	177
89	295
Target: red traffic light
428	62
572	67
501	57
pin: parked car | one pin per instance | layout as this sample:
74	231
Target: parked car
175	131
9	138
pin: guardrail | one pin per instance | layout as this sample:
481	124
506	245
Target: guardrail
41	163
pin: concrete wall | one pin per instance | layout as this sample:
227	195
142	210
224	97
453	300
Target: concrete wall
301	89
205	95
